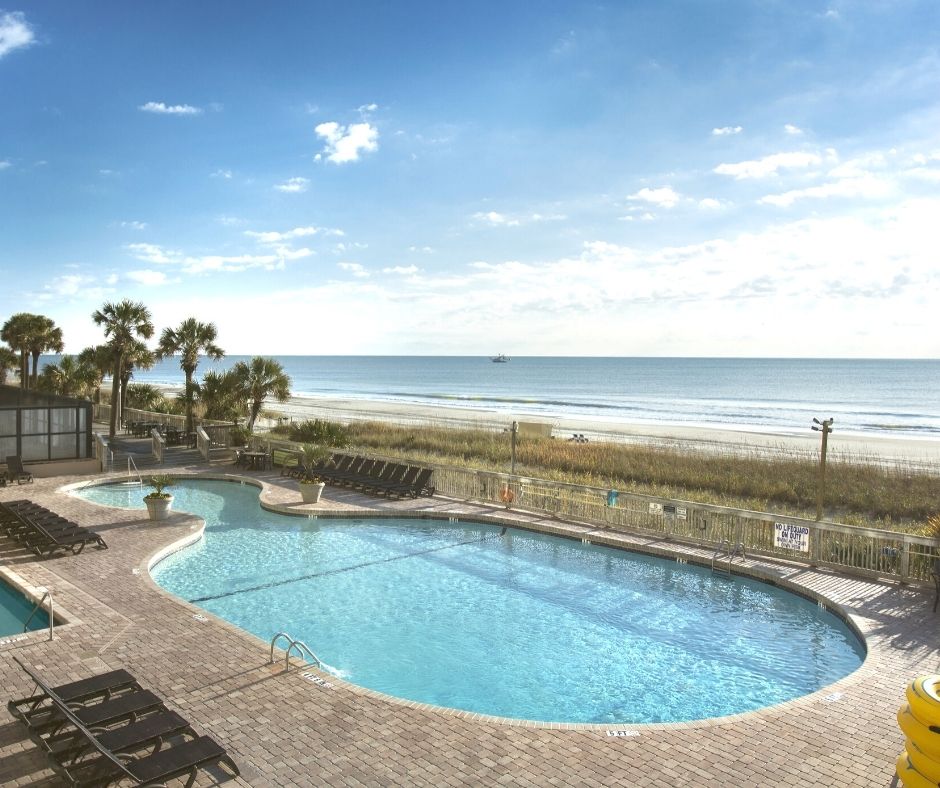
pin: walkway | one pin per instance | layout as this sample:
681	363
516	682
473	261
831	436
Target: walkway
284	729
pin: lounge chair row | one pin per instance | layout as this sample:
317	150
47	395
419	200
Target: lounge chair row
15	471
42	531
107	729
371	476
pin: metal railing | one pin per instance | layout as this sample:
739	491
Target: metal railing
292	643
46	594
865	551
132	464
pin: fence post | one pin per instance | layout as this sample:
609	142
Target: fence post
905	560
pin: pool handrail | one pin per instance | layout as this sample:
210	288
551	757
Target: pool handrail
293	642
46	593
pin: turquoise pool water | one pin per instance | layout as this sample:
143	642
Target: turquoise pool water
518	625
15	609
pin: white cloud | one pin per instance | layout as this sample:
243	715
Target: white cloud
725	131
293	185
792	130
346	143
159	108
769	165
273	237
152	253
147	277
224	174
4	163
365	109
422	249
134	225
664	197
355	269
15	32
866	186
497	219
709	204
403	270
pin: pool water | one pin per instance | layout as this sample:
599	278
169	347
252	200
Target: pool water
518	625
15	609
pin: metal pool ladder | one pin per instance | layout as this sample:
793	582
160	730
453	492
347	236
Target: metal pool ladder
130	462
46	594
729	548
292	643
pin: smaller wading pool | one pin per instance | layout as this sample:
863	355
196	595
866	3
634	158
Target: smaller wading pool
15	609
503	622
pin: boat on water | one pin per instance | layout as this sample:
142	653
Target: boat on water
500	359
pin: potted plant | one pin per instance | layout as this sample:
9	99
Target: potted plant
159	502
311	488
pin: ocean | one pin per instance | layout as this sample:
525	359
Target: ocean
899	398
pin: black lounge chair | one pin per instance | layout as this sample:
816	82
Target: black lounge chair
420	486
346	465
43	531
15	470
100	687
111	749
393	473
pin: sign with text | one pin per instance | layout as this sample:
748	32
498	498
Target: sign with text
791	537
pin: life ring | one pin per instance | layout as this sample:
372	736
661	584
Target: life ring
922	762
506	495
910	777
927	741
924	700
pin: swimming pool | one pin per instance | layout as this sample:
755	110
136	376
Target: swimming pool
518	625
14	611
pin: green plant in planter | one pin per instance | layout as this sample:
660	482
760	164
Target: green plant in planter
312	454
159	483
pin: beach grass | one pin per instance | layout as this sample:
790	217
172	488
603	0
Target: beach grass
859	490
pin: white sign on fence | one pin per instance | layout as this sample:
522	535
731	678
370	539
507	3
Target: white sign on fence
791	537
656	508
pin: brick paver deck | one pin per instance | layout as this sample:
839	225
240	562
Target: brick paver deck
283	729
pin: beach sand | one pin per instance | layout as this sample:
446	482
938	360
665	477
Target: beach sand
909	450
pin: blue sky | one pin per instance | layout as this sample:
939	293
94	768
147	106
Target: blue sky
678	177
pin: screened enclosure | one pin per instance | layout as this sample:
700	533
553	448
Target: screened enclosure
39	426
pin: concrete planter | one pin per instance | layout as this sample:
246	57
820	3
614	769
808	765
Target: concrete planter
311	492
159	508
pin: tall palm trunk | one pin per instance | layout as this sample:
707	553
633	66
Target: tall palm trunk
115	392
189	399
24	369
34	377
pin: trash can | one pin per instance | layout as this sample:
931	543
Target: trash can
612	498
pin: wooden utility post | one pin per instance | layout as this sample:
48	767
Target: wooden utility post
825	427
512	466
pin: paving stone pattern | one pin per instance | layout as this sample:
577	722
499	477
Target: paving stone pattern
284	730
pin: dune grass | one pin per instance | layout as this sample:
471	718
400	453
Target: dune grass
859	491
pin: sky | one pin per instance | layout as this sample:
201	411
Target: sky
670	178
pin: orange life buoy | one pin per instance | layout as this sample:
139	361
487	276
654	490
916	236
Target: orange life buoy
506	495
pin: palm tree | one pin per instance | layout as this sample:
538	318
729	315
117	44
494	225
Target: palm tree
138	356
43	335
97	358
221	395
70	377
259	379
8	361
15	333
145	397
189	339
124	324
